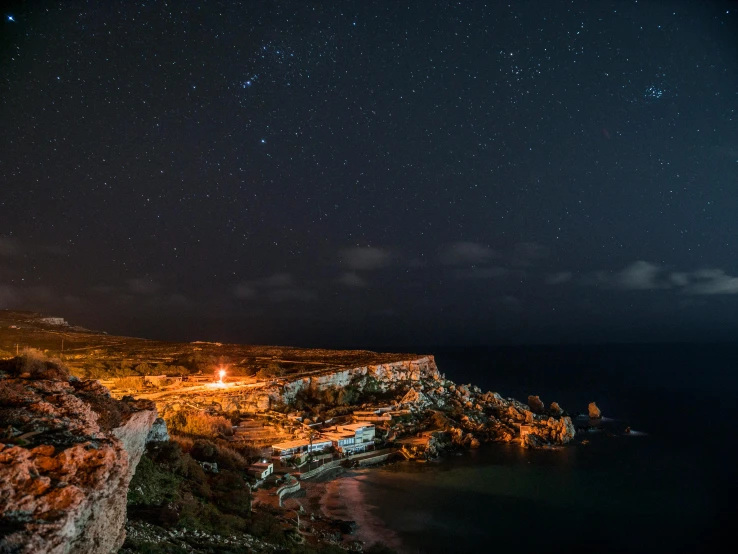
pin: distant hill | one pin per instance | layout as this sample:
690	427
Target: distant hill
95	354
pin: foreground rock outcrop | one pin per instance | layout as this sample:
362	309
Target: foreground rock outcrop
67	454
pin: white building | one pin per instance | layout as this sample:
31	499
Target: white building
299	447
352	438
261	470
58	321
363	431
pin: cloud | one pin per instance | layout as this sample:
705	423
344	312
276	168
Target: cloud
9	246
352	280
143	286
639	276
558	278
278	280
103	289
711	281
527	253
478	273
283	295
9	296
39	293
466	253
365	257
244	290
175	300
679	279
279	287
27	297
643	275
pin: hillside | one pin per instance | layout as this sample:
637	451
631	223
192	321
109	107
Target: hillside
95	354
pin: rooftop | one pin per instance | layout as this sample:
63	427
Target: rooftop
337	435
356	426
297	443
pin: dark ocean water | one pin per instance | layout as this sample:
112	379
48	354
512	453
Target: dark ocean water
672	489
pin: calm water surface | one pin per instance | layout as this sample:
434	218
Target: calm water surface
671	490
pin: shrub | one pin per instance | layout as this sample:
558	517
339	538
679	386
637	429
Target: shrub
232	494
199	424
37	364
271	371
203	450
151	485
131	382
184	443
223	455
168	454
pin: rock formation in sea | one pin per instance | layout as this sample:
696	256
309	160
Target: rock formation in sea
67	454
594	411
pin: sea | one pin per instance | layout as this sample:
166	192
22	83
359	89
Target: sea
667	486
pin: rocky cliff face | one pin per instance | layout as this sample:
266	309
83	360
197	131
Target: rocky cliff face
67	454
384	376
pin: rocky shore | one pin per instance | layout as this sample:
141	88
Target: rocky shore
449	415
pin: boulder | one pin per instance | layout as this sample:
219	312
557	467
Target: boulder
159	432
415	399
535	404
555	409
64	480
594	411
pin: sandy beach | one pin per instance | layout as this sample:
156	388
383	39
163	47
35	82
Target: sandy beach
339	496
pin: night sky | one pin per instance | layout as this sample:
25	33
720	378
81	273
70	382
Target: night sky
373	172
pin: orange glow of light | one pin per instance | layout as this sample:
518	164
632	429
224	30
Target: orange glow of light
222	373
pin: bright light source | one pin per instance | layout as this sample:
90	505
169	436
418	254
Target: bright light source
222	373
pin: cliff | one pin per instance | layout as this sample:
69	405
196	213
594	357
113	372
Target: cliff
67	454
383	377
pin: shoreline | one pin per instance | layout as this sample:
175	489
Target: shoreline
339	497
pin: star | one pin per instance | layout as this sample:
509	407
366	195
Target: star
263	141
11	18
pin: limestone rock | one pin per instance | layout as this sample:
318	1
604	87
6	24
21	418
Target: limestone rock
159	432
594	411
64	481
536	405
415	399
383	377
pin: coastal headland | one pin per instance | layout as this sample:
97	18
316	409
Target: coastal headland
243	428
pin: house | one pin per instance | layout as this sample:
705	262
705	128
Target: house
352	438
343	441
261	470
299	447
58	321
